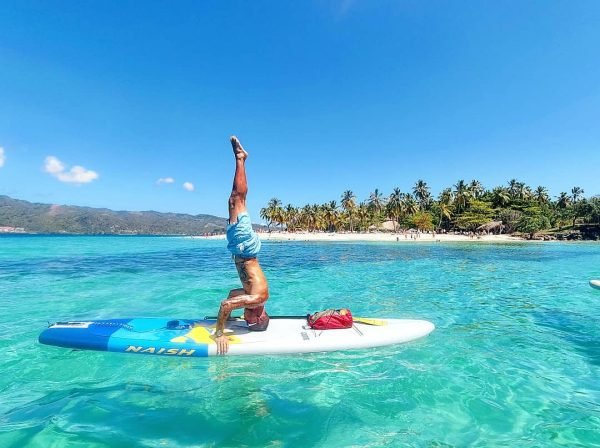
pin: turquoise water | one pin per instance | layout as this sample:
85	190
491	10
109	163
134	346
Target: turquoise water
514	361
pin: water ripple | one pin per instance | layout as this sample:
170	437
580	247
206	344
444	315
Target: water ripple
515	359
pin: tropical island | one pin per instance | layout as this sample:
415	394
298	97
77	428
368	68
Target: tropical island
465	208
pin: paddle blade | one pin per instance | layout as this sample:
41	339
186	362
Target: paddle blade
368	321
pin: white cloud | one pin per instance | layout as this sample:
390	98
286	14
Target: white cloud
76	175
165	180
53	165
188	186
2	157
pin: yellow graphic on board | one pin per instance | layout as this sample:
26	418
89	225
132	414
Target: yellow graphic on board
201	335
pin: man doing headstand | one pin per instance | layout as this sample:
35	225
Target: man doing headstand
244	245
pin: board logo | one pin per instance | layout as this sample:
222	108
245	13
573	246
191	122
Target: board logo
160	351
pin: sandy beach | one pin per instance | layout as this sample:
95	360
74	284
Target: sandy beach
378	237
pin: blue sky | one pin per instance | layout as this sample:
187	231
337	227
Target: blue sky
325	95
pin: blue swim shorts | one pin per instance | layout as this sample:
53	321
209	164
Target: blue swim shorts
242	241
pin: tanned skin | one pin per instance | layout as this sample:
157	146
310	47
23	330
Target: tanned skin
255	290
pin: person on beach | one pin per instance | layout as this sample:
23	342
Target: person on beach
244	245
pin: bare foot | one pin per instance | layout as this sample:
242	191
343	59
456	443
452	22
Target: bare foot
238	149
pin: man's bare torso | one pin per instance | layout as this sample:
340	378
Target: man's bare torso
252	277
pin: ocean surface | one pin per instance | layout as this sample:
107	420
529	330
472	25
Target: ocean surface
514	361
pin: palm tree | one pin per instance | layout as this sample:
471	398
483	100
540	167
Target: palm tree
306	218
291	217
513	188
266	215
541	195
422	194
349	204
363	214
271	212
563	200
274	204
336	217
279	217
500	197
275	212
523	192
476	189
462	196
445	202
576	193
318	212
409	205
394	206
376	200
330	215
518	190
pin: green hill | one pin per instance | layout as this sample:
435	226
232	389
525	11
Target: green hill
46	218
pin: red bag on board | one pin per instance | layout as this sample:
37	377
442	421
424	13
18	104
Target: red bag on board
330	319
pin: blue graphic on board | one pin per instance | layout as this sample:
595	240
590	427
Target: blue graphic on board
149	336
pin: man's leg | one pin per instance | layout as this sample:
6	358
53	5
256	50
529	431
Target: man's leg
236	292
237	199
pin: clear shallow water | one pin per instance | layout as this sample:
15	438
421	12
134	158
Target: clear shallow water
514	361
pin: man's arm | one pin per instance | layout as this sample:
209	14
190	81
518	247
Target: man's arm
227	306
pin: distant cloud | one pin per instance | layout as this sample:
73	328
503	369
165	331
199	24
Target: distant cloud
165	180
2	157
53	165
76	175
188	186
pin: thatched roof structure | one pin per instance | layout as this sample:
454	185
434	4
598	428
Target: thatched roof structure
389	226
386	226
493	226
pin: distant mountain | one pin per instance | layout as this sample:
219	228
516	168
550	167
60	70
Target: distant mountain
46	218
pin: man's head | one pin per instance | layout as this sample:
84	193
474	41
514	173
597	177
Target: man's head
256	318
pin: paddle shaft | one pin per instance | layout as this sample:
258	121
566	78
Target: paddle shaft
363	320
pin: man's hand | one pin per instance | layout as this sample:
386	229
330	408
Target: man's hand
222	344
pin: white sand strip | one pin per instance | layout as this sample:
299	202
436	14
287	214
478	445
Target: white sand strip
375	236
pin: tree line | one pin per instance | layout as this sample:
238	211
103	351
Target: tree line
463	207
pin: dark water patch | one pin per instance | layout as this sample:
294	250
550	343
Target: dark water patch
126	415
581	331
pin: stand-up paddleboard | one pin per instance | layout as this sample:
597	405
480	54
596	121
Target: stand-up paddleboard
595	284
190	337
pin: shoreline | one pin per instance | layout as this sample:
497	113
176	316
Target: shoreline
356	237
377	237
